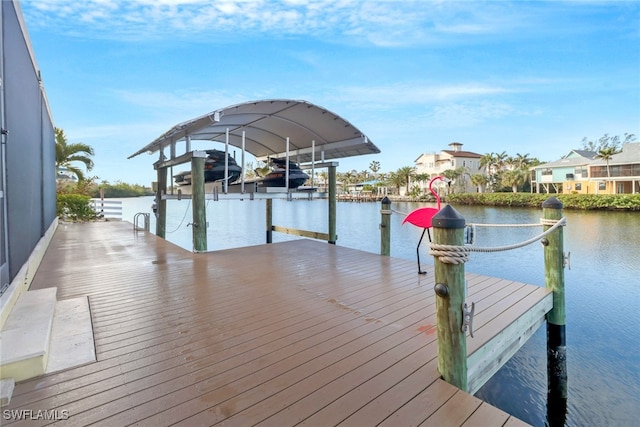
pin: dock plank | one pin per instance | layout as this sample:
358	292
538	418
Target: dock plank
292	332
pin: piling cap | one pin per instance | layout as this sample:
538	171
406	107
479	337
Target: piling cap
552	203
386	201
448	217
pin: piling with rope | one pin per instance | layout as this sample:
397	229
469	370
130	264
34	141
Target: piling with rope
448	229
385	227
554	260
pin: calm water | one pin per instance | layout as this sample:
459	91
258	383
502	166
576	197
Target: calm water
602	290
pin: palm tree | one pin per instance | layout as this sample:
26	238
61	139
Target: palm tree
606	154
521	161
486	161
514	178
323	177
67	153
405	173
348	177
453	175
395	180
479	180
375	167
500	159
421	178
493	162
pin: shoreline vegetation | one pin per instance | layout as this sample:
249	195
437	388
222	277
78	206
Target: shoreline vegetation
618	202
73	198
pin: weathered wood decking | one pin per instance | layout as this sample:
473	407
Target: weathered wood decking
297	332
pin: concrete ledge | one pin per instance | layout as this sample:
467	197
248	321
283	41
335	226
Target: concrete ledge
71	335
25	335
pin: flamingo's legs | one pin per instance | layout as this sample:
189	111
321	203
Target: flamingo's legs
418	248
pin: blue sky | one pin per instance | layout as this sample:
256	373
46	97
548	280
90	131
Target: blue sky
520	77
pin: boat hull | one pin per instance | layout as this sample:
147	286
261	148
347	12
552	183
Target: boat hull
214	169
277	179
217	173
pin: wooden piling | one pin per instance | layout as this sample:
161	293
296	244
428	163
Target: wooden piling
161	204
385	227
332	203
554	262
448	229
556	318
269	218
199	224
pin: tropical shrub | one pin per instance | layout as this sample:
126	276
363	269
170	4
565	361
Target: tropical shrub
74	207
121	189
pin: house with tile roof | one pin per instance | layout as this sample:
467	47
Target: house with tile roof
582	172
436	163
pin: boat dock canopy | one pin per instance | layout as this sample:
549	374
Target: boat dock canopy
266	125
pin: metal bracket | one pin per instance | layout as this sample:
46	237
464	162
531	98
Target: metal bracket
567	260
467	317
469	234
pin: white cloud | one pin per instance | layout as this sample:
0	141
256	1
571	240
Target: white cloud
382	23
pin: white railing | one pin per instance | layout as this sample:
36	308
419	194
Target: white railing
106	208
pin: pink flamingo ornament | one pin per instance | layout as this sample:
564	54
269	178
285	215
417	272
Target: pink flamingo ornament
422	217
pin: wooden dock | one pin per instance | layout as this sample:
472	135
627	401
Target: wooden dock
300	332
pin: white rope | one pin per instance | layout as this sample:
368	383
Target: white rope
542	222
556	224
452	254
505	225
183	217
398	212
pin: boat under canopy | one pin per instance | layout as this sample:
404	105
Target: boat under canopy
272	129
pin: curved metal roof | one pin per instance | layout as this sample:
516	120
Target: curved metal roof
267	124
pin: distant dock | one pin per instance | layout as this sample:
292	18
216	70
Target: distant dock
277	334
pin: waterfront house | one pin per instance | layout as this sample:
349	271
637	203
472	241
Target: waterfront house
550	177
436	163
620	175
582	172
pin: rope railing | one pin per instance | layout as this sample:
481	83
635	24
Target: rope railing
505	225
399	213
453	254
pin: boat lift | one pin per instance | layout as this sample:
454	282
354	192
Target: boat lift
266	129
